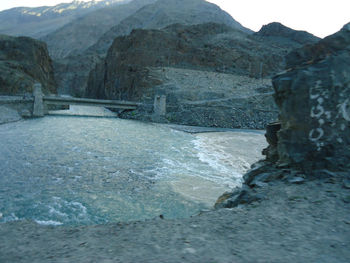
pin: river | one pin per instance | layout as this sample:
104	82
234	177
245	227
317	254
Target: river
69	170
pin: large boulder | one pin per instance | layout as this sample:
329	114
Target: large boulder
313	97
23	62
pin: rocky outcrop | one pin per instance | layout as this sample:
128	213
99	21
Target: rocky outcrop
311	140
313	98
23	62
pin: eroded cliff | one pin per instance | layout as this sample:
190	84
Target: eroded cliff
23	62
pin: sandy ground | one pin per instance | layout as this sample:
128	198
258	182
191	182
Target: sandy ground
293	223
231	152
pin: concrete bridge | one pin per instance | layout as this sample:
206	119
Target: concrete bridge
38	104
41	102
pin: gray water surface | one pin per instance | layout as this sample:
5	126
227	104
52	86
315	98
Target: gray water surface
72	170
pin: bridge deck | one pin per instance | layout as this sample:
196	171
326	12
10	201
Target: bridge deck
53	100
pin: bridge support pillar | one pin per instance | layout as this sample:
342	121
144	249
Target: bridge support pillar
38	107
159	106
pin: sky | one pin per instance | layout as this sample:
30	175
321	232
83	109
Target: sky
319	17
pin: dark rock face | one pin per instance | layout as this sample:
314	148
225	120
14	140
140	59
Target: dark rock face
271	152
313	98
23	62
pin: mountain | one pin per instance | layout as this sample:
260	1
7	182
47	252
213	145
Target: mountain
23	62
76	36
284	36
210	47
40	21
166	12
212	74
73	71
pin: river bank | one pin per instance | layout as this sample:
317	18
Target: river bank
293	223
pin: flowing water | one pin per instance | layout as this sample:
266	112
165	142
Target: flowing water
73	170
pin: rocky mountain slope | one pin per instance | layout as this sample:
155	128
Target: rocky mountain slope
24	61
40	21
75	37
148	62
158	15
